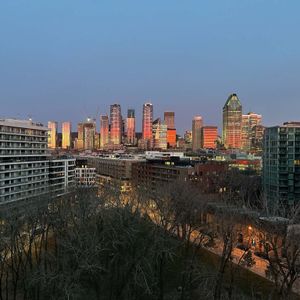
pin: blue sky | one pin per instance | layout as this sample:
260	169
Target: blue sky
66	60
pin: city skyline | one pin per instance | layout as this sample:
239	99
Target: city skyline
73	64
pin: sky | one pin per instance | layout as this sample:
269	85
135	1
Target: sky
69	59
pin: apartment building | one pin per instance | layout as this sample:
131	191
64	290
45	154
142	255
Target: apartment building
26	167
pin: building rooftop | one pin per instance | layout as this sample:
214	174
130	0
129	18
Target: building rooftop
292	124
22	124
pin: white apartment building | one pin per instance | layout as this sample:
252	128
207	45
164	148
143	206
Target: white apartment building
61	175
25	164
85	176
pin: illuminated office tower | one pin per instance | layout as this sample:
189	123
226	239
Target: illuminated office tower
80	135
52	134
159	132
104	131
86	135
97	140
147	121
66	135
130	126
232	122
248	122
115	124
89	134
169	119
209	137
196	132
257	135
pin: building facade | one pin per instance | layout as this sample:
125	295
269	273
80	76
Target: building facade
209	137
61	175
281	164
248	122
232	123
130	127
85	177
104	131
52	134
86	135
196	132
169	119
26	167
115	124
159	130
66	135
147	124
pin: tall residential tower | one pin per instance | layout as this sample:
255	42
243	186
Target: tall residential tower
115	124
66	135
52	134
147	123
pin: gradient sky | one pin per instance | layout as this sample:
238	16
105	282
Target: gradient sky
66	60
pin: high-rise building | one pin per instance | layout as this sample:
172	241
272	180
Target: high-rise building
169	120
248	122
26	168
89	134
196	132
147	122
104	131
115	124
130	127
209	137
86	135
52	134
66	135
257	134
80	137
159	131
171	137
281	164
232	122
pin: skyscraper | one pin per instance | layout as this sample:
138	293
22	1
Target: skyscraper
281	164
52	134
232	122
80	135
257	134
159	131
130	126
248	122
89	134
169	120
104	131
66	135
209	137
86	135
147	121
115	124
196	132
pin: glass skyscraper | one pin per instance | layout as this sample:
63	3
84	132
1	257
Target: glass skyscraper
232	122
